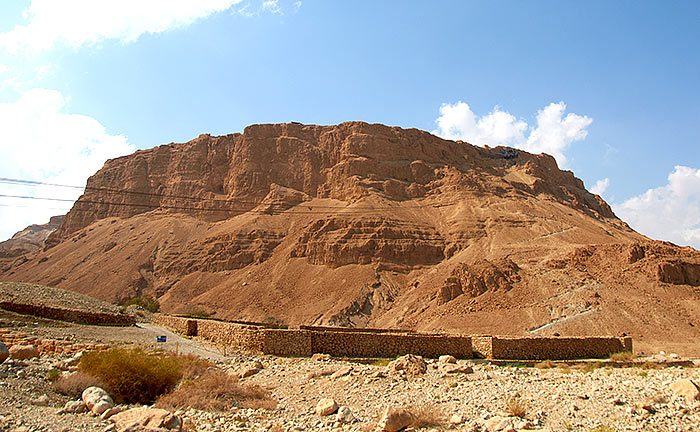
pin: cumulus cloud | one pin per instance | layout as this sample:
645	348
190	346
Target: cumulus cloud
76	23
600	186
41	142
552	134
670	212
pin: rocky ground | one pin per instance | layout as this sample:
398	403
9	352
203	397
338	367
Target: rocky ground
557	399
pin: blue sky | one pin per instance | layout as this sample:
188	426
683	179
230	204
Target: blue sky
610	88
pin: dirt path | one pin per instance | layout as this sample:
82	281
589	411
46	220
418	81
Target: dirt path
176	343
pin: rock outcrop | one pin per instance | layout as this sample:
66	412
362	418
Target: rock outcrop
366	225
29	239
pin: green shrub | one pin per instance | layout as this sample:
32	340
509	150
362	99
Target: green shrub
132	375
53	375
147	302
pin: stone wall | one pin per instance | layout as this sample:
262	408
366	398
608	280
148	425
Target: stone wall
549	348
80	317
310	340
45	346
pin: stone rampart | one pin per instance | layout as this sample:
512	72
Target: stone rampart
76	316
549	348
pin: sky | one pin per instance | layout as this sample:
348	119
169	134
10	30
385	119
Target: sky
610	89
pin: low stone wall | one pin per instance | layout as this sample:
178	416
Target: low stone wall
80	317
46	346
549	348
310	340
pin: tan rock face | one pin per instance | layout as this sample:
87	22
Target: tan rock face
366	225
394	419
23	352
687	389
148	417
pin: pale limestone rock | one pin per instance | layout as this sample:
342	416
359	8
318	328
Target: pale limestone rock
345	370
23	352
411	364
147	417
455	369
687	389
345	415
447	359
97	400
321	357
395	419
326	406
42	400
73	407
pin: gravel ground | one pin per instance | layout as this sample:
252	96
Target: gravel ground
33	294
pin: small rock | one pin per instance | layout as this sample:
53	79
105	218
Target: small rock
73	407
409	363
248	371
110	412
97	400
455	369
687	389
23	352
345	370
326	406
456	419
321	357
42	400
447	359
345	415
395	419
148	417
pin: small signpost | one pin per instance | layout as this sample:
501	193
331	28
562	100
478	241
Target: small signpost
160	339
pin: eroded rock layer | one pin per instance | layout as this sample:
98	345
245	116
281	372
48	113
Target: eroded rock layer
367	225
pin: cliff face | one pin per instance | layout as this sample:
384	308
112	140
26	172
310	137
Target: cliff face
366	225
29	239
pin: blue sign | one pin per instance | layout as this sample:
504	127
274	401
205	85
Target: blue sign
160	338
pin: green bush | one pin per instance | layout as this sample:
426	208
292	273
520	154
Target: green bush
132	375
147	302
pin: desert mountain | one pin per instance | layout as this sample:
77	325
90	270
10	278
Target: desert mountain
367	225
29	239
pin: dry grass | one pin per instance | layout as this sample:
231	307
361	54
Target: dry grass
216	390
592	366
427	415
74	384
193	367
648	365
516	407
547	364
624	356
132	375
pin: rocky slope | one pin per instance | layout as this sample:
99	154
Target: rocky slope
368	225
29	239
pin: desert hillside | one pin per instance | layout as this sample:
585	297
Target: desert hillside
367	225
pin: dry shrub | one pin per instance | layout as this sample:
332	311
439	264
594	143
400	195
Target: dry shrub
216	390
648	365
74	384
547	364
623	356
592	366
427	415
516	407
193	366
132	375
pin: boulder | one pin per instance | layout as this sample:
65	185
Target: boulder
73	407
4	353
345	415
97	400
411	364
326	406
687	389
23	352
138	418
395	419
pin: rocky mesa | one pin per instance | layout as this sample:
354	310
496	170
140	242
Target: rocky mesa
367	225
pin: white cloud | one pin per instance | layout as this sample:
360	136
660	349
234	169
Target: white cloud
76	23
670	212
552	134
600	186
271	6
41	142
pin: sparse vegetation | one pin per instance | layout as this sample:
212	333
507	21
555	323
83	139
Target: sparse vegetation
216	390
603	428
381	362
132	375
624	356
547	364
592	366
147	302
648	365
53	375
198	313
74	384
427	415
516	407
